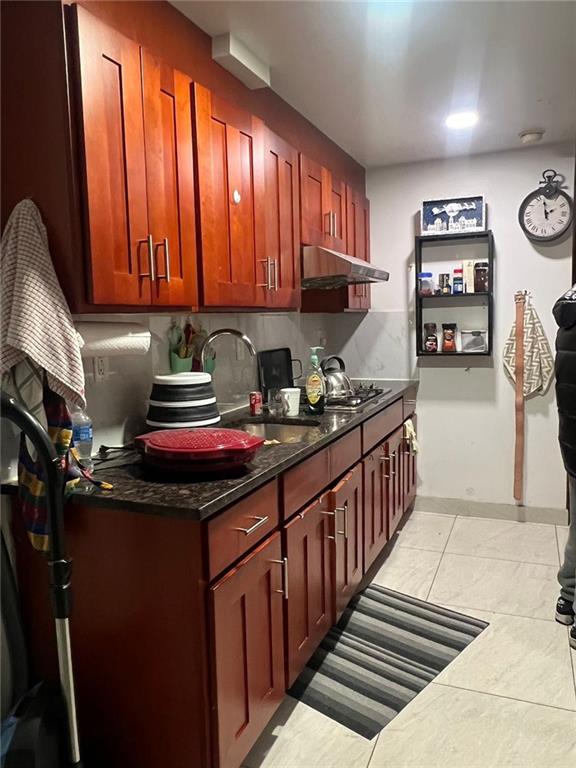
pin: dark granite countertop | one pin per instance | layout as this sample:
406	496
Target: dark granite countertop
136	490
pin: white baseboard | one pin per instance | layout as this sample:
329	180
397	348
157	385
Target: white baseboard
466	508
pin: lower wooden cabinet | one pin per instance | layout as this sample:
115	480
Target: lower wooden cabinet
310	586
248	646
346	505
393	453
375	505
409	472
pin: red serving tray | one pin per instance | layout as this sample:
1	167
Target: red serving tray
198	447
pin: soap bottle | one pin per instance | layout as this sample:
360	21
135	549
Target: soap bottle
315	384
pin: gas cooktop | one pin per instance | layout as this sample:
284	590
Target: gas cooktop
363	395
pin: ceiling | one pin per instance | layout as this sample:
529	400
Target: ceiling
379	78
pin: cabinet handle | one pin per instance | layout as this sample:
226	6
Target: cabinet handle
329	215
164	244
167	259
335	225
236	197
324	512
284	564
259	522
343	509
385	458
392	473
268	284
152	271
274	264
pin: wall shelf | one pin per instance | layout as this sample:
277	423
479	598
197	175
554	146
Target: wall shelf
426	251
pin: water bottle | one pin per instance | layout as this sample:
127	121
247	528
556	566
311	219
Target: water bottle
82	434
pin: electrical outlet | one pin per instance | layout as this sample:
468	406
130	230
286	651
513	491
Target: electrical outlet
100	368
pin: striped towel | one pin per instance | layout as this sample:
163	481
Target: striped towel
538	359
40	354
35	321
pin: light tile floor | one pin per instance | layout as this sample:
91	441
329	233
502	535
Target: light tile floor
509	699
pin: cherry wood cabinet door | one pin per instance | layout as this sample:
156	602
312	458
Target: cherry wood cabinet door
409	467
315	202
230	172
395	479
310	564
375	505
170	182
282	212
112	140
248	641
346	503
358	243
336	206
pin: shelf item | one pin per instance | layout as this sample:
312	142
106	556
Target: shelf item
474	342
449	216
453	311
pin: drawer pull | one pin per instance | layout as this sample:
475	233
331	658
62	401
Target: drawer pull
343	509
324	512
284	564
385	458
259	522
392	473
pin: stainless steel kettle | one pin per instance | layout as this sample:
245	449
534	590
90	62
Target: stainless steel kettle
338	384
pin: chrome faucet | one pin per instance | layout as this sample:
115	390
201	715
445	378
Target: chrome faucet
224	332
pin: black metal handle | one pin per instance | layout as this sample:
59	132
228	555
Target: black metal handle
326	360
60	566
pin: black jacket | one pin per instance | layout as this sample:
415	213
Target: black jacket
565	314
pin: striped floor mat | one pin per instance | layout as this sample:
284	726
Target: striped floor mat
385	649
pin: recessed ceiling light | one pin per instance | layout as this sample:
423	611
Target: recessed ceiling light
462	120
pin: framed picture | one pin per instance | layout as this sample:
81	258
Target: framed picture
453	215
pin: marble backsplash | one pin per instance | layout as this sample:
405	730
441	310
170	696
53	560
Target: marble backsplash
373	345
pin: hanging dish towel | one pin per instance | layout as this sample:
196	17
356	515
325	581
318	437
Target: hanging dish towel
36	324
410	436
538	359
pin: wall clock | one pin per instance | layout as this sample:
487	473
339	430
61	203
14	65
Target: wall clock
546	213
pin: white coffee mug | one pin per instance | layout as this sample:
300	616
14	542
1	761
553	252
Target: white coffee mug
291	398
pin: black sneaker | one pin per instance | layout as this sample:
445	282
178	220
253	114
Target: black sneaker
564	612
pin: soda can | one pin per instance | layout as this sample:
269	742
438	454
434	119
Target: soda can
255	403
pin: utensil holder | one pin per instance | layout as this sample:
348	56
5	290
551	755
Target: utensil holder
180	364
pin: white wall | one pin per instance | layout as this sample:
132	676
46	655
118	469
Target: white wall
466	415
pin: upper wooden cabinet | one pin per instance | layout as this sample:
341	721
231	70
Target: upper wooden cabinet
336	216
282	222
230	167
139	203
170	182
323	206
358	244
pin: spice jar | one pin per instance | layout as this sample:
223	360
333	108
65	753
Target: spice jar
458	281
481	277
448	337
444	280
430	338
426	284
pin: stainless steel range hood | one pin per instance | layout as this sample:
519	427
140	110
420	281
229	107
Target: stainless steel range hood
323	268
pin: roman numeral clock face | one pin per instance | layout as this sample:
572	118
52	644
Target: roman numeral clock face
545	217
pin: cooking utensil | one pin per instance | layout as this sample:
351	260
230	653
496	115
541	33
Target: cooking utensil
338	383
197	450
275	369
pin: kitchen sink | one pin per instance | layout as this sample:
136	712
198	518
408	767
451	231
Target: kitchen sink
278	429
